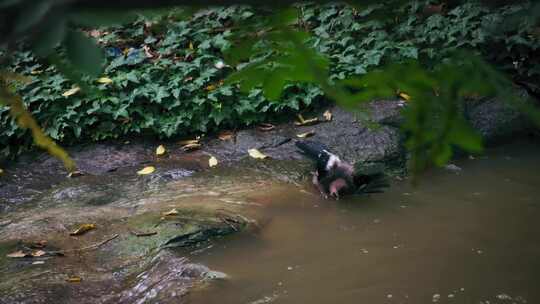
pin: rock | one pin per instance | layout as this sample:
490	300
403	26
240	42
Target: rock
494	119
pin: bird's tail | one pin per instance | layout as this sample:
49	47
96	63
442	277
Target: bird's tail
370	179
311	149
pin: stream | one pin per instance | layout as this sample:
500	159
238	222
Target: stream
460	236
254	232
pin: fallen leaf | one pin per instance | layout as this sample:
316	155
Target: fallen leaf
171	212
74	279
191	147
17	254
212	162
36	72
307	122
146	170
226	135
306	134
38	263
39	244
405	96
160	150
75	173
104	80
327	115
300	118
256	154
188	141
84	228
71	92
38	253
191	45
265	127
210	87
1	171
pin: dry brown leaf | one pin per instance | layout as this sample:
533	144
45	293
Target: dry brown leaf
226	135
257	154
191	147
307	122
146	170
327	115
84	228
306	134
38	253
265	127
104	80
171	212
74	279
212	162
17	254
188	141
71	92
160	150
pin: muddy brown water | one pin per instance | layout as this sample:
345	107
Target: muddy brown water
469	236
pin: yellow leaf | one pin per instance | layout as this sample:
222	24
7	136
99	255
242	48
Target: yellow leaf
160	150
74	279
171	212
1	172
212	162
307	122
17	254
210	87
146	170
36	72
191	45
405	96
188	141
71	92
256	154
301	118
191	147
84	228
307	134
327	115
104	80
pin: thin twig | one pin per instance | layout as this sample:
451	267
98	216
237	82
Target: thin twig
85	248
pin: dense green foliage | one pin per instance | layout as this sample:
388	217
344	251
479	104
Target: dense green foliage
168	79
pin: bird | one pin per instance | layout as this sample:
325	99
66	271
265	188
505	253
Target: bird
334	177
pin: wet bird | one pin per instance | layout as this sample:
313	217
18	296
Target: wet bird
334	177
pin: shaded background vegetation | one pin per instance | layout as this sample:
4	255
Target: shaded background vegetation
166	73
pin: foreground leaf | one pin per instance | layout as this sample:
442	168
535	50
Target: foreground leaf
84	53
212	162
84	228
146	170
257	154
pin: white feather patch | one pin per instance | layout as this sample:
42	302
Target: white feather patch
332	161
